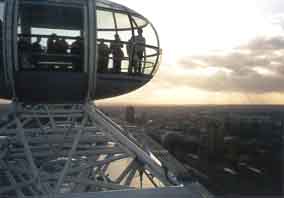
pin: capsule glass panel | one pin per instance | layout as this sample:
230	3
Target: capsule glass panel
50	52
127	44
105	19
46	44
122	21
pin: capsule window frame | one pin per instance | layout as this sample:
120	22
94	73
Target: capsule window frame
58	3
134	27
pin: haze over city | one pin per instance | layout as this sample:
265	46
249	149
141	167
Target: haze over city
214	52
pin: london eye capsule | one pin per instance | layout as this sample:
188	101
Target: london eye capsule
69	51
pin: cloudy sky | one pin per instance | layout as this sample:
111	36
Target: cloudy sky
215	52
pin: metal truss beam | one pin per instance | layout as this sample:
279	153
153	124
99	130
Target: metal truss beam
54	150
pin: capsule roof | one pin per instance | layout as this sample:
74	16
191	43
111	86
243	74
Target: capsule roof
115	6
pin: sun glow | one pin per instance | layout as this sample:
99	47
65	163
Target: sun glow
264	71
191	28
196	27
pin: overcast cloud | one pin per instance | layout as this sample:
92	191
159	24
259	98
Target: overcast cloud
255	67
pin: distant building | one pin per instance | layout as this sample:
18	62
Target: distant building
142	118
130	114
216	135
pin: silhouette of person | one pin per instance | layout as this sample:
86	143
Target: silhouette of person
61	45
136	52
77	49
24	49
103	57
36	46
51	47
140	49
133	58
117	53
36	49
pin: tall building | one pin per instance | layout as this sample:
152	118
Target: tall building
130	114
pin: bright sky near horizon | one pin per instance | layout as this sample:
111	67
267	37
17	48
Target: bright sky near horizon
215	52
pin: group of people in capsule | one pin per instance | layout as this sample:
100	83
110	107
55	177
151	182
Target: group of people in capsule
135	52
58	47
57	53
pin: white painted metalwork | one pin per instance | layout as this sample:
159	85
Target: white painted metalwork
51	150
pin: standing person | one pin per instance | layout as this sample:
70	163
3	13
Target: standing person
117	53
61	46
77	49
140	50
136	52
133	59
51	47
24	49
36	46
36	51
103	56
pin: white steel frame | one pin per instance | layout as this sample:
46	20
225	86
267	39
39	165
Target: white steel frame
51	149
